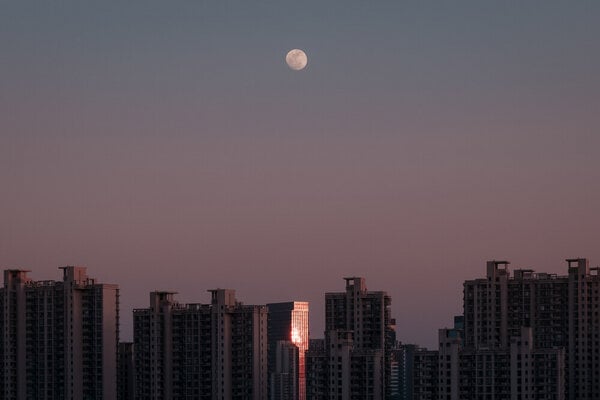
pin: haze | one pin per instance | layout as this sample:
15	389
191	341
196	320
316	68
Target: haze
166	145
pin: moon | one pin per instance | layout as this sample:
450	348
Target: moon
296	59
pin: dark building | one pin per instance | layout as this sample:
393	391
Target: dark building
357	352
289	322
59	338
562	312
125	372
529	335
316	370
519	371
425	374
359	331
402	371
198	351
283	383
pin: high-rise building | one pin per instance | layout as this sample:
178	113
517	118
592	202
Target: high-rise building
359	338
283	379
289	322
562	312
530	335
125	372
403	357
316	370
425	374
59	338
215	351
172	349
519	371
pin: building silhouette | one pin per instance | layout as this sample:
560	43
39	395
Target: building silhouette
59	338
359	339
283	380
125	372
519	371
529	335
289	322
200	351
426	374
402	371
316	370
562	312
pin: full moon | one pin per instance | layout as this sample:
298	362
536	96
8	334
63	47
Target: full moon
296	59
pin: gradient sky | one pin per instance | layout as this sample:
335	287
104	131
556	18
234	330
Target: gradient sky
165	145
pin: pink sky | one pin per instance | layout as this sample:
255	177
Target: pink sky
171	148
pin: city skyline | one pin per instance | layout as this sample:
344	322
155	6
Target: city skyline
523	333
168	146
126	321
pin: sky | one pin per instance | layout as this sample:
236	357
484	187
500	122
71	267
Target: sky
167	146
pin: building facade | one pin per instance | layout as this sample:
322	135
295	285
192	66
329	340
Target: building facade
289	322
562	312
283	380
200	351
529	335
359	339
403	357
125	372
316	370
59	338
426	374
519	371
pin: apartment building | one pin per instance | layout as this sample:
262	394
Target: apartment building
316	370
561	310
208	351
59	338
359	338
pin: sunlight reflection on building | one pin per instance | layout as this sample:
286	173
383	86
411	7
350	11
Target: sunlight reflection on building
289	321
